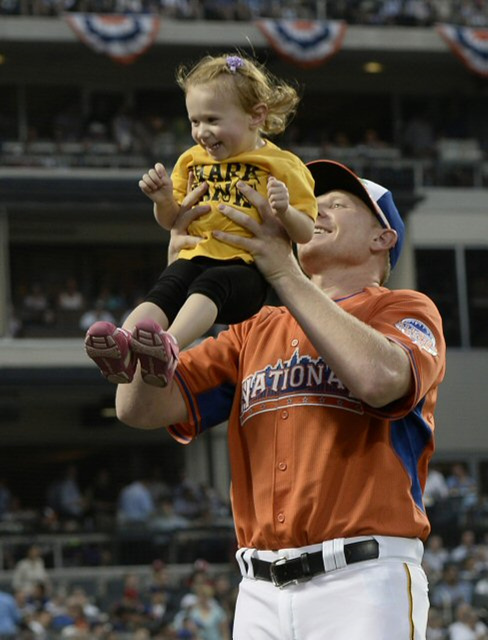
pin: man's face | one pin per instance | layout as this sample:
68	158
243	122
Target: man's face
343	230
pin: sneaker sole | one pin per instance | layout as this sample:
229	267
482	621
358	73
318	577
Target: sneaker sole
105	352
151	352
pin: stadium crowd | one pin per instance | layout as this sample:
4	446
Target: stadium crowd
372	12
195	605
197	602
108	133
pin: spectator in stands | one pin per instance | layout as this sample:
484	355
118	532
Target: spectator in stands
99	313
225	593
466	547
435	557
29	571
77	625
435	626
166	519
130	611
157	139
80	598
451	590
371	141
200	575
435	487
66	498
135	502
467	625
39	622
112	300
10	616
461	483
122	129
36	309
37	598
158	610
419	139
209	617
158	487
70	298
187	500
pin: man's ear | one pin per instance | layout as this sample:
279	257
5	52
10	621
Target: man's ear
258	115
385	239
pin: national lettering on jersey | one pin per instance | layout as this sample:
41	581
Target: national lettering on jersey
305	43
122	37
299	381
469	44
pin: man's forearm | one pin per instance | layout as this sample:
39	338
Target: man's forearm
372	367
143	406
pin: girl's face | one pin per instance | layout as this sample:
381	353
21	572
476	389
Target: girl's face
219	124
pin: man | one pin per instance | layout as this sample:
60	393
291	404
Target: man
330	401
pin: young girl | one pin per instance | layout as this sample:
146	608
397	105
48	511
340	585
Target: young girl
232	103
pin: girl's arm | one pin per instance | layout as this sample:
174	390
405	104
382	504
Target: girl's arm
298	225
157	186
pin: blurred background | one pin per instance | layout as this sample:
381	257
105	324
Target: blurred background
79	125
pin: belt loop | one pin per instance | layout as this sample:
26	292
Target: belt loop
339	556
244	560
328	555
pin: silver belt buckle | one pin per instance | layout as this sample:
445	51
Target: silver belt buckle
272	573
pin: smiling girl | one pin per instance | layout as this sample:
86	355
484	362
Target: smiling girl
233	105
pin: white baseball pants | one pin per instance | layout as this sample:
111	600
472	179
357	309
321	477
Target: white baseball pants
381	599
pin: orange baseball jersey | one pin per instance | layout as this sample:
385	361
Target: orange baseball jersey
310	462
253	168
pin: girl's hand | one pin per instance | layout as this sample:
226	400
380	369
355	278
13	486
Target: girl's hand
278	196
156	184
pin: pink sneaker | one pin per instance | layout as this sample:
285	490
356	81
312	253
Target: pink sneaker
157	351
109	347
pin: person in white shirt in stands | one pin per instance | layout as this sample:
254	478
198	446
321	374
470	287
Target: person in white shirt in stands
468	625
435	487
30	571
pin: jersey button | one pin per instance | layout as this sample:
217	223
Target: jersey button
294	342
284	414
282	466
281	517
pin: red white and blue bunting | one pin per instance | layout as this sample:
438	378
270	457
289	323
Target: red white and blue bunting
470	44
121	37
305	43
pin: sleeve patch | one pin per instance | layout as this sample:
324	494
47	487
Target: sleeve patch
419	333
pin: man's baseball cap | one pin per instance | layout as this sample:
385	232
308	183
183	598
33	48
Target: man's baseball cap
330	176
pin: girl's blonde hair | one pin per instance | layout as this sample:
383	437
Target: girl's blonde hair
251	83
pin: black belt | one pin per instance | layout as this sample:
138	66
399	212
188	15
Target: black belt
286	571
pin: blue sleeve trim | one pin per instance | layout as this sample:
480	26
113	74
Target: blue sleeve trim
191	403
215	405
410	437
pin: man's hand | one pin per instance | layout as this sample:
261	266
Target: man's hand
270	245
189	211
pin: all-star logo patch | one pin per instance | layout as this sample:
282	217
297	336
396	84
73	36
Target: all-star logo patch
419	334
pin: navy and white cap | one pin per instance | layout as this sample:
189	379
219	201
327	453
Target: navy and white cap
331	176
